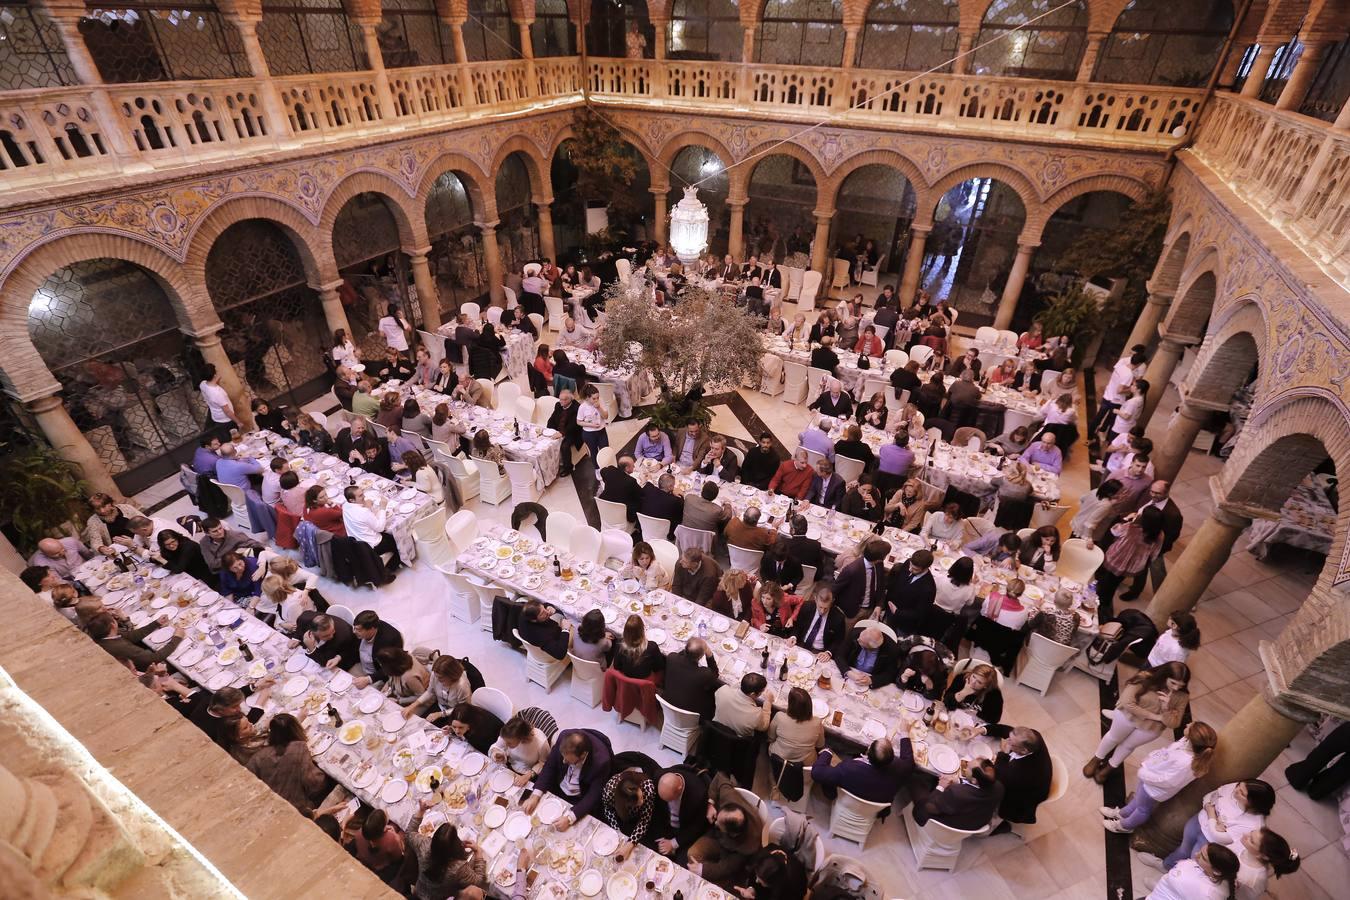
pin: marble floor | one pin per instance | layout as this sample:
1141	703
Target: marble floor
1062	856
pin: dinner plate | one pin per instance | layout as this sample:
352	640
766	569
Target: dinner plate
494	816
660	869
159	602
394	791
340	682
423	780
550	432
710	891
585	567
408	494
141	618
320	742
720	624
550	808
747	489
803	658
189	657
533	582
159	572
590	883
365	776
160	635
229	615
517	826
207	598
630	586
605	841
506	571
228	656
393	721
621	886
728	645
819	708
914	702
220	681
684	607
944	759
295	686
487	562
296	662
370	702
437	743
472	764
656	635
406	508
873	730
501	781
610	614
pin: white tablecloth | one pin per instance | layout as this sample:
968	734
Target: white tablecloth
1307	520
630	385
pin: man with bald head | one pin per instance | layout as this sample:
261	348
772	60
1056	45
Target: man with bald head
621	486
868	656
62	555
876	777
681	814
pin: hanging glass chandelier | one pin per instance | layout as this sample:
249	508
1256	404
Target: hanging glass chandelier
689	227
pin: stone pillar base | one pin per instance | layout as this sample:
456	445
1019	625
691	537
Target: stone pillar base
1204	556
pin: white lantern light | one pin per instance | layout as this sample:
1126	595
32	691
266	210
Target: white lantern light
689	227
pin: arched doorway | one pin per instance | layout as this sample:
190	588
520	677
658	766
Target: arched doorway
972	246
878	202
696	164
1174	42
909	35
107	330
274	327
456	257
1091	216
611	22
366	247
577	182
518	228
801	33
1050	49
782	202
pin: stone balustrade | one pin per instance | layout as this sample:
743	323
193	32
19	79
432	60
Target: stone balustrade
1294	169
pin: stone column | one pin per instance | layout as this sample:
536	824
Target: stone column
1012	291
820	250
1205	554
1146	326
65	16
736	238
1256	76
280	122
909	278
375	59
965	40
492	258
543	207
747	43
1088	65
208	344
1160	369
1248	744
334	313
660	39
526	39
428	297
1170	456
1305	67
661	223
850	46
68	441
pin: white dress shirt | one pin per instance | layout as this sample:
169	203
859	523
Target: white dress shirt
362	524
271	487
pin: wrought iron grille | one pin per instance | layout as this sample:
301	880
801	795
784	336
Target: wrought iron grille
305	36
31	52
367	249
108	332
489	32
801	33
607	28
705	30
145	40
274	322
972	246
1174	42
456	257
551	33
1051	48
878	202
782	195
411	34
909	35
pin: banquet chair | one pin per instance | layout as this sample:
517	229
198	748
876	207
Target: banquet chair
338	611
605	458
813	457
537	319
435	345
493	487
465	472
494	701
755	802
494	317
896	359
667	554
794	276
624	268
473	311
808	578
507	393
920	354
540	667
1077	562
612	515
879	626
794	384
970	438
881	330
615	545
744	560
739	454
679	727
873	385
618	689
609	401
654	529
524	410
585	543
587	680
433	548
771	375
560	528
852	818
868	275
1008	338
554	305
986	334
933	434
464	600
848	468
1042	659
524	488
815	383
543	409
1047	515
815	858
686	537
238	504
811	280
489	392
462	529
511	303
839	281
935	845
187	477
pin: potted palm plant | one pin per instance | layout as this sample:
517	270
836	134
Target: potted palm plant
41	493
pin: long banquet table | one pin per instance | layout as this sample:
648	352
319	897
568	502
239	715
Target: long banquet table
377	755
630	385
1307	520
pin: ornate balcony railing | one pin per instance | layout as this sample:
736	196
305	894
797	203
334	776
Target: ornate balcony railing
1294	169
1138	116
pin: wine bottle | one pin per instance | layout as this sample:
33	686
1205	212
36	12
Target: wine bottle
764	658
928	714
782	670
243	648
333	713
557	567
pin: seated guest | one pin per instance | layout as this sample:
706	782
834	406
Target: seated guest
745	531
910	593
449	687
61	555
906	379
634	655
373	634
824	357
660	501
1061	623
798	734
966	804
479	727
230	469
446	429
854	447
968	361
576	770
922	668
722	854
1010	443
360	447
414	421
862	501
827	488
692	679
774	610
834	401
1023	768
998	546
445	379
701	511
761	462
219	540
128	646
366	525
323	514
284	605
520	747
733	596
406	679
718	462
286	765
1005	607
446	864
331	643
681	815
800	546
869	344
696	576
744	708
591	641
207	454
691	445
182	554
778	567
644	568
621	487
868	656
876	777
858	585
654	444
224	721
627	805
947	524
823	328
1045	454
820	623
379	845
873	413
538	627
794	476
817	439
976	691
894	459
236	578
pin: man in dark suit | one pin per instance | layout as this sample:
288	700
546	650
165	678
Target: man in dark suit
802	548
659	501
820	623
373	635
860	585
868	656
564	420
537	627
1023	768
127	646
621	486
886	316
1159	495
876	777
827	488
344	387
681	813
576	770
692	679
963	804
910	592
824	357
331	643
780	568
719	460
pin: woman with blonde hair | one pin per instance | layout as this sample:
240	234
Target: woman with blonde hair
1162	774
907	507
285	602
733	595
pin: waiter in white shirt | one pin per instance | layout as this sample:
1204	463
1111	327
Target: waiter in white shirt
1126	371
366	525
